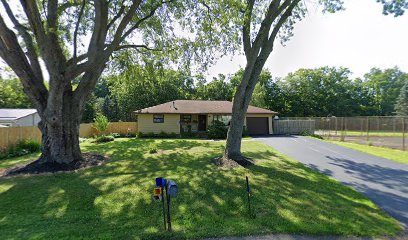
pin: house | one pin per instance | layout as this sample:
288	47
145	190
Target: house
19	117
181	116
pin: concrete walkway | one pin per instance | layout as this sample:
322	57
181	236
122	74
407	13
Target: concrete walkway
384	181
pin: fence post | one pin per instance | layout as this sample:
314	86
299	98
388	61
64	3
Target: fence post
403	133
336	127
345	128
342	129
368	129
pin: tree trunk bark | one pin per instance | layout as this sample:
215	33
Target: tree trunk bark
60	132
240	105
239	108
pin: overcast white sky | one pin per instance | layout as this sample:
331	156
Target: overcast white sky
358	38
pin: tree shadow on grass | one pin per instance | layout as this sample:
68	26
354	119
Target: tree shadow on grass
114	200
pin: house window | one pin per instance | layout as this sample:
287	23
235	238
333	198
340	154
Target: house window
223	118
158	118
186	118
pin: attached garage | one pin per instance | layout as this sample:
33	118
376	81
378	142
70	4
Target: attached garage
257	125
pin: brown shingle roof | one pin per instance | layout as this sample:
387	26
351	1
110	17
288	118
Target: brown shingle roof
199	107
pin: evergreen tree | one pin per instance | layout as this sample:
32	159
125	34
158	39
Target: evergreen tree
402	103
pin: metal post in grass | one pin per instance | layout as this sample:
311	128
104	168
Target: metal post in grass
249	197
368	130
403	133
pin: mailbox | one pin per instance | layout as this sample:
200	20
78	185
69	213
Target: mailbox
160	182
172	188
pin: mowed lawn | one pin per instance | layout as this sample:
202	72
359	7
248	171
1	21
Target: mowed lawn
114	201
388	153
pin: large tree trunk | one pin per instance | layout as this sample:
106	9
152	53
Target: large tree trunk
233	145
241	102
60	131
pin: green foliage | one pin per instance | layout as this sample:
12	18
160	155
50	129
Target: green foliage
139	134
101	123
104	138
116	135
12	94
217	130
385	87
401	107
152	149
23	147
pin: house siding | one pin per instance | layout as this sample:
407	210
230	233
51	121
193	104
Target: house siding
171	124
26	121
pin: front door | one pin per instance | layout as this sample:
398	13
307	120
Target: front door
202	123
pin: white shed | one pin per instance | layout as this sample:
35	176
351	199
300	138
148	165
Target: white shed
19	117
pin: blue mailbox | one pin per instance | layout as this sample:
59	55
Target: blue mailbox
160	182
172	188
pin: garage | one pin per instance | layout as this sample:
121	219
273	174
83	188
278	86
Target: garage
257	125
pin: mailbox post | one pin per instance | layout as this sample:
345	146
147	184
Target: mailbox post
170	188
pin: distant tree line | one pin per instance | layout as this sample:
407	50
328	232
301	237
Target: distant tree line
325	91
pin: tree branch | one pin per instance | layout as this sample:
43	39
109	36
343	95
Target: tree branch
273	12
268	45
137	24
137	46
120	12
31	52
81	12
14	56
246	28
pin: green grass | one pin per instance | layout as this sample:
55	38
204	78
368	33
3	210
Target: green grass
113	201
10	162
391	154
364	133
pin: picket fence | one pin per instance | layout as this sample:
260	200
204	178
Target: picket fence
9	136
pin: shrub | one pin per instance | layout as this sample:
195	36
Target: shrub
29	145
163	134
149	135
115	135
23	147
173	135
139	134
102	139
101	123
217	130
152	149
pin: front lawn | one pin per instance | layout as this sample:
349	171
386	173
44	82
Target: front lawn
113	201
388	153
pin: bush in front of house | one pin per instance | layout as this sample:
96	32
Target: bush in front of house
22	147
102	139
217	130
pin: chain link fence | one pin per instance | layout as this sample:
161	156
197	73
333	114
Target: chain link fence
391	132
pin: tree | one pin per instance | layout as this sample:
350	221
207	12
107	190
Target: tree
55	32
270	19
12	94
218	89
385	85
401	107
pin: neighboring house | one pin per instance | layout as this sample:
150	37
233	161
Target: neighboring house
19	117
182	116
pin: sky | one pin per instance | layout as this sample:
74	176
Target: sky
358	38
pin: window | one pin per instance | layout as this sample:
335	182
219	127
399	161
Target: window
158	118
186	118
223	118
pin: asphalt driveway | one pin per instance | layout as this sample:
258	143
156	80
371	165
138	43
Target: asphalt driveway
385	182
